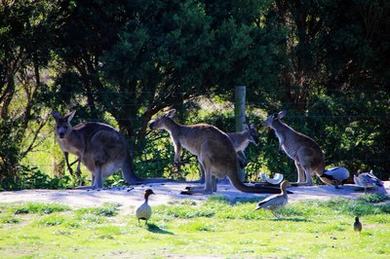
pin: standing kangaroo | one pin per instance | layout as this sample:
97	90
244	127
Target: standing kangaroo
240	141
305	152
213	148
100	147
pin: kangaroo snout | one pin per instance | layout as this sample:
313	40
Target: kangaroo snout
61	135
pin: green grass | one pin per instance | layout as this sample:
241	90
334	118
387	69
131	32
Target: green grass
40	208
215	227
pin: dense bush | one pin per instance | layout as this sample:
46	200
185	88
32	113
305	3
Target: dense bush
124	62
33	178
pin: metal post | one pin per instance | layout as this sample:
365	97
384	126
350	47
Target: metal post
239	113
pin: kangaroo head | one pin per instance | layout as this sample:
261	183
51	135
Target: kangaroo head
63	127
274	117
161	122
253	134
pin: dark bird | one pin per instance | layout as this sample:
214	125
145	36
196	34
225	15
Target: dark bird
357	226
275	202
144	211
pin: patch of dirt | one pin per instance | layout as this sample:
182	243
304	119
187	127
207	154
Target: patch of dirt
169	193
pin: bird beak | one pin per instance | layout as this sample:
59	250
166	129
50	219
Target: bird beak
257	208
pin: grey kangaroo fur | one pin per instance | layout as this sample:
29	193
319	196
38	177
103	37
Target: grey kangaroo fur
214	150
100	147
307	155
240	141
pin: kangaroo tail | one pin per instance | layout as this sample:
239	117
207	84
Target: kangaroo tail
236	182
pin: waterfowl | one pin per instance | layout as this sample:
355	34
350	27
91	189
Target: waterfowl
276	201
357	226
367	180
144	211
335	176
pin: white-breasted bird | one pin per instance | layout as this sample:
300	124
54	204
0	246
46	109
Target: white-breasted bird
144	211
335	176
367	180
276	201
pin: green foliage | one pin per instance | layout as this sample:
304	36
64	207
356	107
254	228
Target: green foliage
9	219
9	155
123	63
51	220
39	208
358	208
115	180
373	198
25	33
107	210
33	178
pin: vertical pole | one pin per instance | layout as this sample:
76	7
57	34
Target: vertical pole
239	113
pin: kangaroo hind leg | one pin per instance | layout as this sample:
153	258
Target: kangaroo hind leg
98	177
300	173
209	183
308	176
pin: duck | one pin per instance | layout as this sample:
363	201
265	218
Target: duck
367	180
335	176
144	211
357	226
276	201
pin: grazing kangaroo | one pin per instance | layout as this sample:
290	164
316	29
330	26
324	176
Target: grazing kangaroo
213	148
305	152
100	147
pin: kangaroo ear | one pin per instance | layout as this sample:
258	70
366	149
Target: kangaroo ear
70	116
56	115
282	114
171	113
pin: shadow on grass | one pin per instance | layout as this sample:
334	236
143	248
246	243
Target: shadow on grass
291	219
156	229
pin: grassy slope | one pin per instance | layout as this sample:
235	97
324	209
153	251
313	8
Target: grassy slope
311	229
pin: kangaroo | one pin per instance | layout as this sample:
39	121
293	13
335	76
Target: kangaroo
212	147
305	152
100	147
240	141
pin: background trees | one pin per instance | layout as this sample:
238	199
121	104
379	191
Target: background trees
25	36
124	61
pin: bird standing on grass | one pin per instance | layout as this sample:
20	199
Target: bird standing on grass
144	211
275	202
357	226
